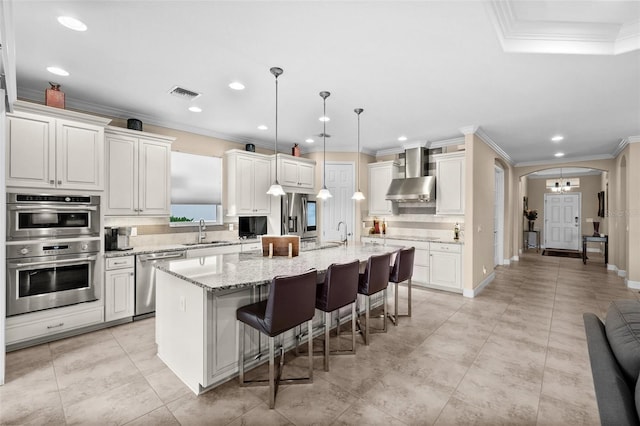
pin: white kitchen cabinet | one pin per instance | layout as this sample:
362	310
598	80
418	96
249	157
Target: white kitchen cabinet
248	180
380	176
138	173
296	172
119	288
445	268
420	260
48	152
450	171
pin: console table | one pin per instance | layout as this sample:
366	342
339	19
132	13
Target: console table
525	239
595	239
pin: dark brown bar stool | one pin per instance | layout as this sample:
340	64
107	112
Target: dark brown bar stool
374	279
339	288
291	302
402	271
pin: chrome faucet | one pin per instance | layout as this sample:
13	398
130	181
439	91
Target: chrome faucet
201	234
343	241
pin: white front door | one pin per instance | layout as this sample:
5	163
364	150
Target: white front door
562	221
339	180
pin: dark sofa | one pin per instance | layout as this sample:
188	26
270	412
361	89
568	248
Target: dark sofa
614	352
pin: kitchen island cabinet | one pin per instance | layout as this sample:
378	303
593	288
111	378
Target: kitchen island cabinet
196	301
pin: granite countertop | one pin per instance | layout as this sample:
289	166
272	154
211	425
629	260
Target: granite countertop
236	270
175	247
411	238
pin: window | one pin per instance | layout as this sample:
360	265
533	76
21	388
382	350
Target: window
196	189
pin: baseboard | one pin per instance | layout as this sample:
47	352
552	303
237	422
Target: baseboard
506	262
594	250
622	273
516	258
633	284
476	291
611	267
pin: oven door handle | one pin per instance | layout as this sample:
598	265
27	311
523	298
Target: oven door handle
53	262
54	208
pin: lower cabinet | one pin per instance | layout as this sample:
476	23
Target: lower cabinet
27	329
119	288
445	266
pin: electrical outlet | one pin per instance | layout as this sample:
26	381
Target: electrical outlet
134	231
231	227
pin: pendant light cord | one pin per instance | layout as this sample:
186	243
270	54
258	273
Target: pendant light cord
275	149
324	142
358	153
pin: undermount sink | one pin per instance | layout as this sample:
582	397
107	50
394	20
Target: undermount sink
204	243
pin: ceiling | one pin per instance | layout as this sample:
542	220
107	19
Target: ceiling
420	69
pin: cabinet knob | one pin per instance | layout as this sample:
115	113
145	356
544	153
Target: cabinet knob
131	274
52	182
59	182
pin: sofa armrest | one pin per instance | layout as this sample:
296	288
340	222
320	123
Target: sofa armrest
616	402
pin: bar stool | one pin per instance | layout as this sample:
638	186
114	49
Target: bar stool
339	288
374	279
291	302
402	271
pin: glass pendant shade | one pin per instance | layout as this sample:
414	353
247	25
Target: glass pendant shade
358	195
324	192
276	189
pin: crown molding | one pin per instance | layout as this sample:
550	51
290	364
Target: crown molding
586	38
501	152
623	144
469	130
446	142
565	161
34	108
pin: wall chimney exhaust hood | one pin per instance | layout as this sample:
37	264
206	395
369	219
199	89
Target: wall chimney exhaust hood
416	186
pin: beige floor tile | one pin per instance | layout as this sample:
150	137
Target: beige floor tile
218	406
261	416
318	403
459	413
489	391
573	388
167	385
407	398
440	373
553	412
364	413
115	406
158	417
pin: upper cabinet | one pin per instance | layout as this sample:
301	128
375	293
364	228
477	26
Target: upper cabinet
138	173
248	180
296	172
450	169
380	176
62	149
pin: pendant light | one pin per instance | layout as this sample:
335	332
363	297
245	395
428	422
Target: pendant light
276	189
358	195
324	192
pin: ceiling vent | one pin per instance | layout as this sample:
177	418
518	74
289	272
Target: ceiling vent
181	92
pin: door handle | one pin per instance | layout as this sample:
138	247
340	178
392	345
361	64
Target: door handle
576	219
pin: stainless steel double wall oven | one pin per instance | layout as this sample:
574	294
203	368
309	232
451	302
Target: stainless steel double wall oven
53	243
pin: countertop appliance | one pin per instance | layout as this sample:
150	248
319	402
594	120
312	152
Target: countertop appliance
145	294
117	238
299	215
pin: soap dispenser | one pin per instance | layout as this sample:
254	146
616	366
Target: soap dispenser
456	231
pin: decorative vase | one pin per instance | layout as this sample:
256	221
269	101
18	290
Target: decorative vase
596	229
295	150
53	96
531	224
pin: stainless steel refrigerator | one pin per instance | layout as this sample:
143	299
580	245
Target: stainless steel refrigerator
299	216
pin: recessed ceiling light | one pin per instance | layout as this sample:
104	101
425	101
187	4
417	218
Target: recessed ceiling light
308	140
324	118
195	109
402	138
57	71
557	138
72	23
262	127
236	85
559	154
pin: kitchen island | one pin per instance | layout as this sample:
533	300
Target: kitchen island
196	302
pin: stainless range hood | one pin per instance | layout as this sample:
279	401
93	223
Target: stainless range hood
416	186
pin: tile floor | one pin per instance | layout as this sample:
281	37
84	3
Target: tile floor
514	355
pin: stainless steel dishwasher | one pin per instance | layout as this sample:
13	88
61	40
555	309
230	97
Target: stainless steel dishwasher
146	280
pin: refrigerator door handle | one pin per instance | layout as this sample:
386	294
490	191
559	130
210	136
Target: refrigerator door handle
304	215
